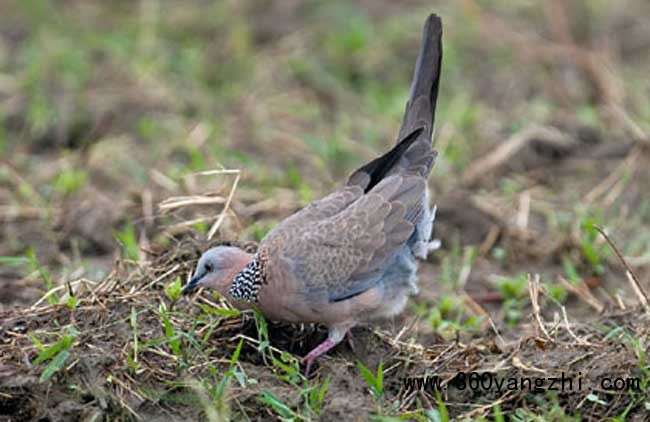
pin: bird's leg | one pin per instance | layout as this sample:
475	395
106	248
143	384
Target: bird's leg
350	338
334	337
319	350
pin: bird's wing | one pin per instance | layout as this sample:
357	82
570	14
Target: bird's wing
345	254
319	210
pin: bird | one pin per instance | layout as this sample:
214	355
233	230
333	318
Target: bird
350	257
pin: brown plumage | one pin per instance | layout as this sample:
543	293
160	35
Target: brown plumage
350	256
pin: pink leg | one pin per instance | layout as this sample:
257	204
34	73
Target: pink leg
336	334
319	350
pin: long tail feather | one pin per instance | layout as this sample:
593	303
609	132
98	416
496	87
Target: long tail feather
413	152
421	106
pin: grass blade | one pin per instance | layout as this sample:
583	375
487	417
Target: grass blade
56	364
281	409
52	350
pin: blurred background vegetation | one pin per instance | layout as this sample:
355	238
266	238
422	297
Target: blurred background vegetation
109	112
108	108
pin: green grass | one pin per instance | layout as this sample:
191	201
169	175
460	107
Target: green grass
127	238
57	353
45	275
448	315
514	291
173	289
550	410
374	380
70	181
593	251
132	357
454	262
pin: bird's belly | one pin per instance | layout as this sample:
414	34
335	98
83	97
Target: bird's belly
392	306
398	283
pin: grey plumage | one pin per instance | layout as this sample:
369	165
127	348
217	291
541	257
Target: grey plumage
350	256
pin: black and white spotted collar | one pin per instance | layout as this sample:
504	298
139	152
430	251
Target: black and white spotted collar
246	285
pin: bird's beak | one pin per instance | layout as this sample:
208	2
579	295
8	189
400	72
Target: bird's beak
192	285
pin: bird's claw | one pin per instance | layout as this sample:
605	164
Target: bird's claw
307	361
350	340
315	353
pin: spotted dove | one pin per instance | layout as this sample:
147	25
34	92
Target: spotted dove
351	256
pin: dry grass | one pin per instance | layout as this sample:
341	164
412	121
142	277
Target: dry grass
117	371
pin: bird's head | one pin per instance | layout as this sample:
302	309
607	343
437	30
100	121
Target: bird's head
216	269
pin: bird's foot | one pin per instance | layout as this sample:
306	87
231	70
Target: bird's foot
319	350
350	338
336	334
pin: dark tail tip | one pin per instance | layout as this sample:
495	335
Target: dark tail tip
421	106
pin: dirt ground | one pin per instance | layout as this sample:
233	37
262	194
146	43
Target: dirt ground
109	114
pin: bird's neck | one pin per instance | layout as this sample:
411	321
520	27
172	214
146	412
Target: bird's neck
247	283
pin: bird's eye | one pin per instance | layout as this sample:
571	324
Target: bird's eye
208	267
